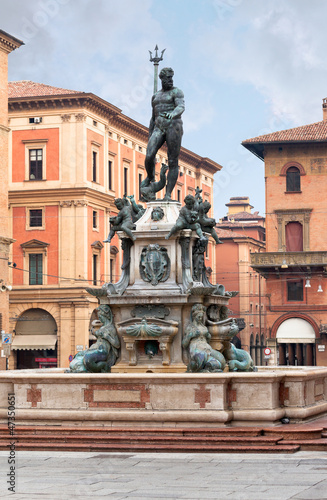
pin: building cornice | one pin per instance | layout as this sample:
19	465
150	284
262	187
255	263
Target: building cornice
60	195
108	112
8	43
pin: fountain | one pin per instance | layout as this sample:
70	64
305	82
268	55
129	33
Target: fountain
163	355
164	283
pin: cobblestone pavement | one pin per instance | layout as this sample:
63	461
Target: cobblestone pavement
151	476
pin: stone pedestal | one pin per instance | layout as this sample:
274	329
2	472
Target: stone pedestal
156	288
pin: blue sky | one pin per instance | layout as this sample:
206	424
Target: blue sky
246	67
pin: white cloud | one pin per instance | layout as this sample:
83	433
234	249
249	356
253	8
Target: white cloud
276	46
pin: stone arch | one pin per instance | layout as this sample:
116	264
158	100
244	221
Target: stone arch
287	316
292	164
18	310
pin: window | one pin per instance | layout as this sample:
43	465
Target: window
299	215
110	174
95	219
35	219
178	195
294	237
125	141
37	119
95	123
140	149
94	165
293	180
35	269
295	290
95	268
125	180
35	164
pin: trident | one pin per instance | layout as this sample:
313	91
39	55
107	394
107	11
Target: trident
156	59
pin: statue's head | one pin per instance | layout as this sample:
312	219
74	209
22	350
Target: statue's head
206	206
157	213
198	310
189	201
166	77
147	194
104	313
119	202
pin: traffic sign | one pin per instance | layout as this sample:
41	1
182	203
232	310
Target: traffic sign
6	338
267	351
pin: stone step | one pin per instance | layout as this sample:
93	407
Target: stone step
105	438
149	447
294	433
308	444
155	431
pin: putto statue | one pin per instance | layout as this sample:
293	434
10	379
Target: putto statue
207	223
165	126
123	221
188	219
102	355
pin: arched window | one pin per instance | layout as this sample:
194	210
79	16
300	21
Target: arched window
293	180
294	237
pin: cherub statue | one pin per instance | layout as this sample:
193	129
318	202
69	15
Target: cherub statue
137	210
188	219
202	357
207	223
149	189
123	221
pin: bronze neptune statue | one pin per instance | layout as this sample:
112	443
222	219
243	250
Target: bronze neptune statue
165	126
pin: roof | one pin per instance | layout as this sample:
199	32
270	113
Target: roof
245	216
225	233
27	88
238	200
315	132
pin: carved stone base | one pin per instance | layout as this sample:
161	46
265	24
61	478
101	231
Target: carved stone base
149	368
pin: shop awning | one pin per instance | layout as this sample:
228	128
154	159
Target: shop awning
30	342
295	331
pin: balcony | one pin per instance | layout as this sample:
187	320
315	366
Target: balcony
280	261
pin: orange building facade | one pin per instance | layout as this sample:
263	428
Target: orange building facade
7	44
242	233
295	263
71	155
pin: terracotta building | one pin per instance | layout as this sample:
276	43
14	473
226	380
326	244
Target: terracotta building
7	44
71	154
295	263
242	233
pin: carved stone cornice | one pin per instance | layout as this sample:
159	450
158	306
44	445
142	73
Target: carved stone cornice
65	203
80	203
9	43
292	259
4	244
80	117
